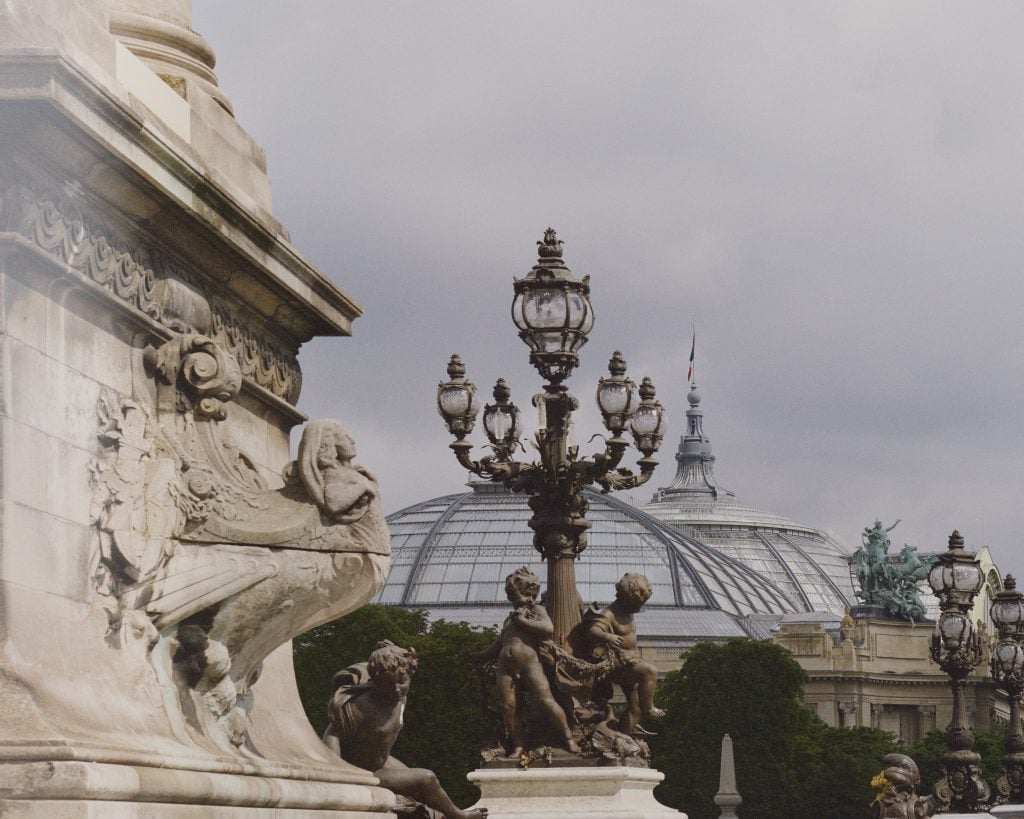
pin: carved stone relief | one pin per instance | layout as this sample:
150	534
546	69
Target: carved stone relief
202	568
142	278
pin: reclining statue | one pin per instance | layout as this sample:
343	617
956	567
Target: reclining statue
365	717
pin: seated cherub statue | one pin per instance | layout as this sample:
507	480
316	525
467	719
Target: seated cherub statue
515	651
365	717
613	631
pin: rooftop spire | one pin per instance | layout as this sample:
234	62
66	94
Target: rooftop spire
695	473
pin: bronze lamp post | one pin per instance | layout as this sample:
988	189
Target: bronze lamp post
1008	670
956	646
552	310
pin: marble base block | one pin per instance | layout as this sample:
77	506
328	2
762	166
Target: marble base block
69	809
583	793
72	789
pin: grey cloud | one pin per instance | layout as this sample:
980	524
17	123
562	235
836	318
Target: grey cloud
830	190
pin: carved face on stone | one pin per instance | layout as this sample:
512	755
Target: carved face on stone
335	445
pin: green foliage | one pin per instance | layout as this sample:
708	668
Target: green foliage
443	727
840	764
789	763
927	753
992	747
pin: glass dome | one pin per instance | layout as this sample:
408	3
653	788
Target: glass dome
812	566
450	555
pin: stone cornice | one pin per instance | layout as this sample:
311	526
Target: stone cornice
877	678
34	81
59	230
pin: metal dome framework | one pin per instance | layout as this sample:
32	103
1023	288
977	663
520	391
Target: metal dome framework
451	555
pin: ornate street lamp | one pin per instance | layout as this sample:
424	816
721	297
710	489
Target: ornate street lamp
956	646
1008	671
552	310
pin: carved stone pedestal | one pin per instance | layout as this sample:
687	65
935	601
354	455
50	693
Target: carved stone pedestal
572	793
160	545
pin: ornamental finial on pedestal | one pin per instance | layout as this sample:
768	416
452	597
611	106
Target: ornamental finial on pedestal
456	369
617	364
550	247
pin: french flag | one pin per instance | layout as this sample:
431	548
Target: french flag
693	346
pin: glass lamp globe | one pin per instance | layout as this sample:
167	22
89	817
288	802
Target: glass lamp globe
956	578
616	396
955	630
648	424
1008	659
552	310
457	401
1008	608
501	419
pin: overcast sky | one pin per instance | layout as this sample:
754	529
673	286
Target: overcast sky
832	192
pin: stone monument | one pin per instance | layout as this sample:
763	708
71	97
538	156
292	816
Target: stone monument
160	546
727	798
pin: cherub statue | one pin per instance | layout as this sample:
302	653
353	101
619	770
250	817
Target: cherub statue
897	790
365	717
515	651
613	630
342	490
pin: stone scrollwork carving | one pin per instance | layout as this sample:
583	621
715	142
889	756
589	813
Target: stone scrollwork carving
144	279
202	369
267	364
201	567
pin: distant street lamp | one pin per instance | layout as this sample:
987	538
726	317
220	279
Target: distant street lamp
552	310
956	646
1008	671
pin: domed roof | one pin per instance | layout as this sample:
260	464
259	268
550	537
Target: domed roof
450	555
810	565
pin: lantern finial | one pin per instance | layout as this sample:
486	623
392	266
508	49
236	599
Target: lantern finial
550	247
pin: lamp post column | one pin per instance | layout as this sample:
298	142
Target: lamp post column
559	511
1008	671
956	579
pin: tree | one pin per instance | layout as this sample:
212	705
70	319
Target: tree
840	764
788	762
443	729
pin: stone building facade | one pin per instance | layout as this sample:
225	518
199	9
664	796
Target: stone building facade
878	674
